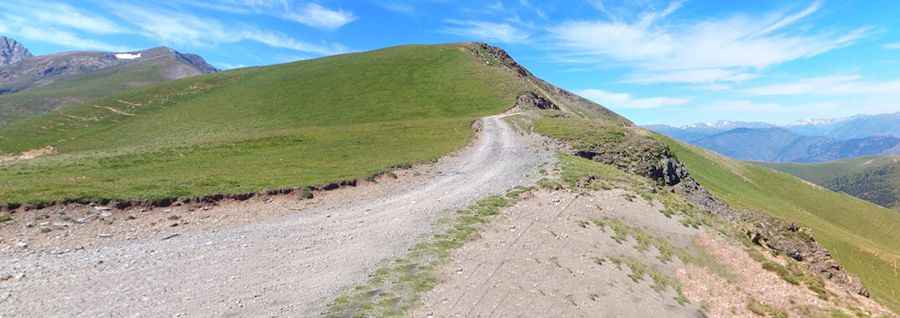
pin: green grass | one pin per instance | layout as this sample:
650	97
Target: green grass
874	179
284	126
861	236
398	284
582	133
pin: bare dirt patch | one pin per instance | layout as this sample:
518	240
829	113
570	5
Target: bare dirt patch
29	154
540	259
753	289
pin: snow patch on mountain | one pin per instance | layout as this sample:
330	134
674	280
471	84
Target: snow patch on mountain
128	56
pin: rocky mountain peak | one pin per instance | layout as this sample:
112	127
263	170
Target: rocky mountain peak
12	51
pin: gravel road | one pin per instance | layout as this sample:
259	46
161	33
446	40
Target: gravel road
290	265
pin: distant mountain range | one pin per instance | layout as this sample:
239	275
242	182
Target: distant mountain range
32	85
808	141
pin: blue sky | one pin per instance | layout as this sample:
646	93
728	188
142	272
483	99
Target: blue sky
673	62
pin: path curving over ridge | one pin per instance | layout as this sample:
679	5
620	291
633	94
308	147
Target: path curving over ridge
290	265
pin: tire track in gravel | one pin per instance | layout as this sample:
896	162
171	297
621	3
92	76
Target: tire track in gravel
285	266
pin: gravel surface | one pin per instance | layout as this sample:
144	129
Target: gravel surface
284	265
538	260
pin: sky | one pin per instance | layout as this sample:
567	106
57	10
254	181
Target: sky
654	61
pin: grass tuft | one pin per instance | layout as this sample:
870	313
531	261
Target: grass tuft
660	282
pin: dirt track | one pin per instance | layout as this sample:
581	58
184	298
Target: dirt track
290	265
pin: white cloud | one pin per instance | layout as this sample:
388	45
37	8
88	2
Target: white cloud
307	13
832	85
742	105
490	31
21	28
892	46
317	16
58	24
624	100
43	14
179	28
709	50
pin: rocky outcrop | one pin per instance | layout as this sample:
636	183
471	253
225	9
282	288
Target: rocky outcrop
12	52
531	100
650	158
561	98
776	235
638	155
492	55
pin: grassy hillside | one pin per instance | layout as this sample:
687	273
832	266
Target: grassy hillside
291	125
862	236
874	179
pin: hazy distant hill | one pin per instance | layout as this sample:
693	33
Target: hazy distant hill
781	145
874	179
809	141
853	127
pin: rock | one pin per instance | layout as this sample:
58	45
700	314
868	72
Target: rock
793	227
531	100
104	235
170	236
46	229
12	52
22	244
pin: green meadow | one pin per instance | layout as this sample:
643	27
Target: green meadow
283	126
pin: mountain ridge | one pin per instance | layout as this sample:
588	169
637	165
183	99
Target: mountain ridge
34	85
782	145
12	52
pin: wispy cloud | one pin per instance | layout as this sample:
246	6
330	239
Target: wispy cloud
832	85
693	76
399	7
317	16
57	23
175	27
708	50
485	30
744	106
892	46
309	13
64	38
624	100
59	15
